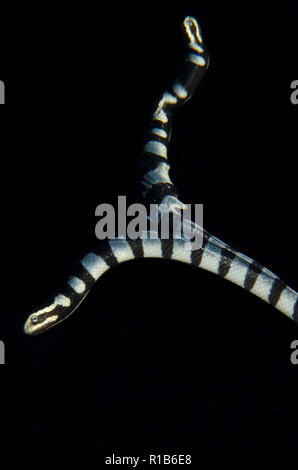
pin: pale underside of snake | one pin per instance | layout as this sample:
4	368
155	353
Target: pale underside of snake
156	187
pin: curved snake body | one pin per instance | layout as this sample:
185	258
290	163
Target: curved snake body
155	186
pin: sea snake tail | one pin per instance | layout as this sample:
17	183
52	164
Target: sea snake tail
155	185
214	255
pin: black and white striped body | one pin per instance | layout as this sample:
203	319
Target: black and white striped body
214	256
156	187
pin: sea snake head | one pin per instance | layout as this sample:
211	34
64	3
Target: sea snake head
44	318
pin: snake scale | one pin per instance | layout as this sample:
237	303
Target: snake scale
155	186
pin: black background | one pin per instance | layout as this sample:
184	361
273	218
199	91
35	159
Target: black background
161	356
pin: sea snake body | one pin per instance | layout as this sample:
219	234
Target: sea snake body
155	186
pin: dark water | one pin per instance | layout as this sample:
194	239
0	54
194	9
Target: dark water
161	356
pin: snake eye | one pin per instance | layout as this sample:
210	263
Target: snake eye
34	318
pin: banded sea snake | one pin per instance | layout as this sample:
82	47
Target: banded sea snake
156	187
